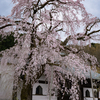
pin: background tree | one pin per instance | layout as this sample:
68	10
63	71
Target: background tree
7	42
93	50
39	49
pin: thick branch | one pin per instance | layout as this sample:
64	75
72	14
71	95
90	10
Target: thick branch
15	22
38	25
50	21
74	52
38	2
6	26
66	41
42	6
93	32
90	26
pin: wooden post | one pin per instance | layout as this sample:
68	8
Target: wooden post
51	82
92	85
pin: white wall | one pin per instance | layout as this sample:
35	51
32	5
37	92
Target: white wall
45	95
44	86
91	96
34	97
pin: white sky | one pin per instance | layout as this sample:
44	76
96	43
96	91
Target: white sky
5	7
93	6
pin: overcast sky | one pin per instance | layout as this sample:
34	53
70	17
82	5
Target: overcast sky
92	6
5	7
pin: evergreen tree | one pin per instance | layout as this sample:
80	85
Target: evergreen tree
6	42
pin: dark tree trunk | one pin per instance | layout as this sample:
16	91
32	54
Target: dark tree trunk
14	95
26	92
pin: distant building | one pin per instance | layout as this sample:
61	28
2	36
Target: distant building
86	92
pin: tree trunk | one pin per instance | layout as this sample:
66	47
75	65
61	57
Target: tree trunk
26	92
14	94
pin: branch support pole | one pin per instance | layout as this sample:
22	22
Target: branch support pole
51	82
92	85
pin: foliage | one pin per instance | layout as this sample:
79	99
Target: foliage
42	23
93	50
7	42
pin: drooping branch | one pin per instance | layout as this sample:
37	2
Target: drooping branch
38	25
50	21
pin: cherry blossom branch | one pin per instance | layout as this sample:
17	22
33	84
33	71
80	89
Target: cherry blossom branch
4	26
90	26
96	31
87	33
50	21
